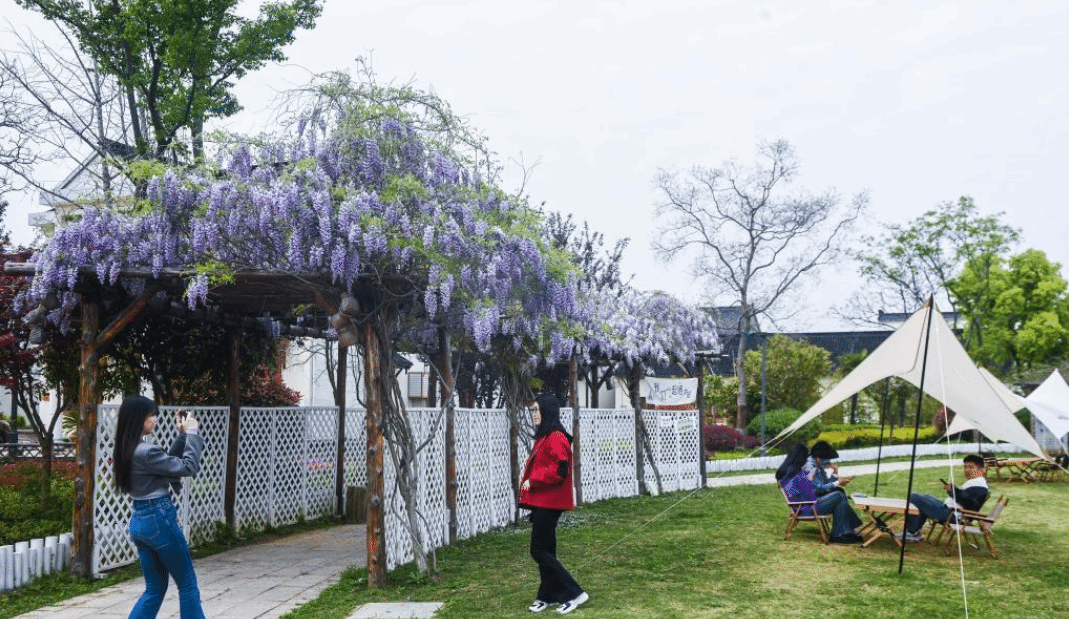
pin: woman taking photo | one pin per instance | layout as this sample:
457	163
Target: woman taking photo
145	471
546	490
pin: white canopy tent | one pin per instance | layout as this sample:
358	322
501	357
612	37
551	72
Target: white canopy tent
950	377
1049	403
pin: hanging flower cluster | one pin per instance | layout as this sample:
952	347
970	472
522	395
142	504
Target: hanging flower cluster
370	205
644	326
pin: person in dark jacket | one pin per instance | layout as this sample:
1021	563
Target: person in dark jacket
970	495
831	498
145	471
546	489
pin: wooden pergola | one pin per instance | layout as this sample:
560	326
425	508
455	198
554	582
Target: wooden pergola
302	303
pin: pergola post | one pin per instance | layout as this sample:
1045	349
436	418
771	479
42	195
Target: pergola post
700	362
233	396
339	401
577	460
85	458
633	378
445	346
376	508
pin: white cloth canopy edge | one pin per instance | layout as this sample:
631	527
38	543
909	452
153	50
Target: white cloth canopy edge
1049	403
950	377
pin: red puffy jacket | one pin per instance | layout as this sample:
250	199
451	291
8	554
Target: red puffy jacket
549	469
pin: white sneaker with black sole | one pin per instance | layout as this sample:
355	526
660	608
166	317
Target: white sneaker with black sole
571	605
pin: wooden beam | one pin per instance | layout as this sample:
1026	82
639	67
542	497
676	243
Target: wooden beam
445	348
125	317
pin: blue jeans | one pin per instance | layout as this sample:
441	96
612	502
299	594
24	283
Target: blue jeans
164	552
844	520
930	507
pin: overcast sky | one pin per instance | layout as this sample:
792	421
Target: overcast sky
917	102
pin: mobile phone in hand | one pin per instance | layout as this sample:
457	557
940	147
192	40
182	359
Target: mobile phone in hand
943	480
182	415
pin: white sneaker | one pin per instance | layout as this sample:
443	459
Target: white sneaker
910	537
571	605
538	606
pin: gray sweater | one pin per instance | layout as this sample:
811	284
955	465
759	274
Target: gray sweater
154	469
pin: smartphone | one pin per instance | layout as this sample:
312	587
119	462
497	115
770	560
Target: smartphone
943	480
182	416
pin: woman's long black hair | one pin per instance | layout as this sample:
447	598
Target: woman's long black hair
132	414
796	457
549	408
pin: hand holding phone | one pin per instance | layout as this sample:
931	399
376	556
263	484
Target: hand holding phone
944	481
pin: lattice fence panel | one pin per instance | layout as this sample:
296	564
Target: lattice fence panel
484	489
608	453
673	439
428	429
254	492
321	454
199	504
356	447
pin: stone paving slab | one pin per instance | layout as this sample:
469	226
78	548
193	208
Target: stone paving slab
396	610
260	581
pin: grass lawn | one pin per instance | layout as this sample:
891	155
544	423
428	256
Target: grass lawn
721	553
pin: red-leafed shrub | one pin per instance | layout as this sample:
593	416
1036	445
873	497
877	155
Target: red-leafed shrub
720	437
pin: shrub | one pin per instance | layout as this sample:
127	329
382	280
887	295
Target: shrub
21	516
778	419
851	437
726	438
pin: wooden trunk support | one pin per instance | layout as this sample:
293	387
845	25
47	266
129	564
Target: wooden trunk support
85	483
633	378
701	422
340	395
577	461
445	345
376	508
233	396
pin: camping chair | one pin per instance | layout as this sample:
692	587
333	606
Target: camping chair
801	497
992	463
971	524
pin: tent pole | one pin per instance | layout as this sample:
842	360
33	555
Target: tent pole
916	427
879	445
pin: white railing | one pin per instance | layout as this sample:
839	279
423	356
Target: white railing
23	562
762	463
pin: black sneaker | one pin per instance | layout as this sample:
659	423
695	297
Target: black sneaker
571	605
847	538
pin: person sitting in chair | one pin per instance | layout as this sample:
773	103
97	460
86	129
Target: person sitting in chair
970	495
831	498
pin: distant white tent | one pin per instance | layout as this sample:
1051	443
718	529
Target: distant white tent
951	377
1049	403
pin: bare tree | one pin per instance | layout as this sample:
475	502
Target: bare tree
750	239
69	112
14	151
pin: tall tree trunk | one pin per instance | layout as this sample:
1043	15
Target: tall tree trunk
742	415
85	484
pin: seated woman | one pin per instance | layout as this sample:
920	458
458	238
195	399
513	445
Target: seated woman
831	498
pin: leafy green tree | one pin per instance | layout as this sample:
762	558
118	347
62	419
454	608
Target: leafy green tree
177	61
908	264
793	375
1025	319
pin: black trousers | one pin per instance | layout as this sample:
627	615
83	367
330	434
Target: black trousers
557	585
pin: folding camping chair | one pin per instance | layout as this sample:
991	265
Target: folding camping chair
801	497
971	525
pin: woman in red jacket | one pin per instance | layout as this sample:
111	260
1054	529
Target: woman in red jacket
547	491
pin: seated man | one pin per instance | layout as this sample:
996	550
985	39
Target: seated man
970	495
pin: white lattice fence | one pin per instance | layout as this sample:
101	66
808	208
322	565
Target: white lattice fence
607	450
484	490
356	447
428	430
285	465
674	439
199	504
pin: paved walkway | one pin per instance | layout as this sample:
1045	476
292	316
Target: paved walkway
260	581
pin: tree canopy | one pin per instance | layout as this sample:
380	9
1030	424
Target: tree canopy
178	61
